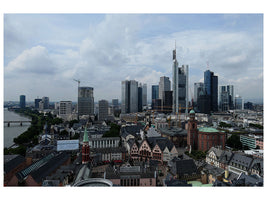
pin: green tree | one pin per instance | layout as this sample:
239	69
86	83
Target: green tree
234	142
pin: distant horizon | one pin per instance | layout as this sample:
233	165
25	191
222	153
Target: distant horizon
44	53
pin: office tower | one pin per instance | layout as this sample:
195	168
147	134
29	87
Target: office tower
167	101
103	110
198	87
22	101
211	89
140	98
230	89
115	103
45	101
248	105
226	94
85	101
36	103
41	105
65	109
144	96
164	85
239	103
204	103
157	105
179	85
129	96
155	92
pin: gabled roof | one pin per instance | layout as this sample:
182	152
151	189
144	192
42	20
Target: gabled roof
242	160
257	164
248	180
133	130
186	167
226	157
162	142
218	152
12	161
42	168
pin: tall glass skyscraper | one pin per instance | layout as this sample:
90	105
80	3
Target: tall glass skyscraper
179	85
155	92
22	101
144	95
211	89
129	96
85	101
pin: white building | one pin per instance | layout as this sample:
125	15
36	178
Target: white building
65	109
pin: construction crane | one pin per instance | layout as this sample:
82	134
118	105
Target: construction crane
78	82
78	92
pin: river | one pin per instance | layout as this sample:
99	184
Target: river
15	129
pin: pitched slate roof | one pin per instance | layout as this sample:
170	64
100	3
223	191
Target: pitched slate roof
218	152
226	157
184	167
248	180
242	160
127	130
257	164
12	161
162	142
42	168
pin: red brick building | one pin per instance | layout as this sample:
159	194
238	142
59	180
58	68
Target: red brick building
203	138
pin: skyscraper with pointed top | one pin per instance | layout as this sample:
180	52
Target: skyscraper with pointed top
85	148
179	85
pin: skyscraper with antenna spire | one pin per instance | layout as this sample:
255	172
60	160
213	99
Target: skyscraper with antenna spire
179	85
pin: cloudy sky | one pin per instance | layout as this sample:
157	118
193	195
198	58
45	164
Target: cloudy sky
43	53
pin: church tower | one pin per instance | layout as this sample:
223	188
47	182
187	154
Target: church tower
85	148
192	132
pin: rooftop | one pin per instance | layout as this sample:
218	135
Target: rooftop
208	130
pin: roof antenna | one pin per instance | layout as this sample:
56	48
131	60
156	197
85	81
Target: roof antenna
208	66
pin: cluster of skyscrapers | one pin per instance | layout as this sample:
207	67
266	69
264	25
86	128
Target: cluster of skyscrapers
133	96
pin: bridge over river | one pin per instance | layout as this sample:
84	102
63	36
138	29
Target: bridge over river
17	122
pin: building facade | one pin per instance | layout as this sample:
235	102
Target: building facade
36	103
144	94
239	104
103	110
211	89
129	96
140	98
85	101
45	101
164	85
22	101
198	88
179	85
65	109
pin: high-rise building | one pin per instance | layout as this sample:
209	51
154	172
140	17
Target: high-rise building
36	103
85	101
226	94
167	101
211	89
140	98
239	104
45	101
115	102
144	96
179	85
103	110
65	109
129	96
164	85
155	92
22	101
198	87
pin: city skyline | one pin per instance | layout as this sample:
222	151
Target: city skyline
42	59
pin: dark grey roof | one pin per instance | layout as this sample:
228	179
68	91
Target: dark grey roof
218	152
12	161
242	160
162	142
42	168
184	167
248	180
226	157
211	169
257	164
175	182
173	131
131	130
